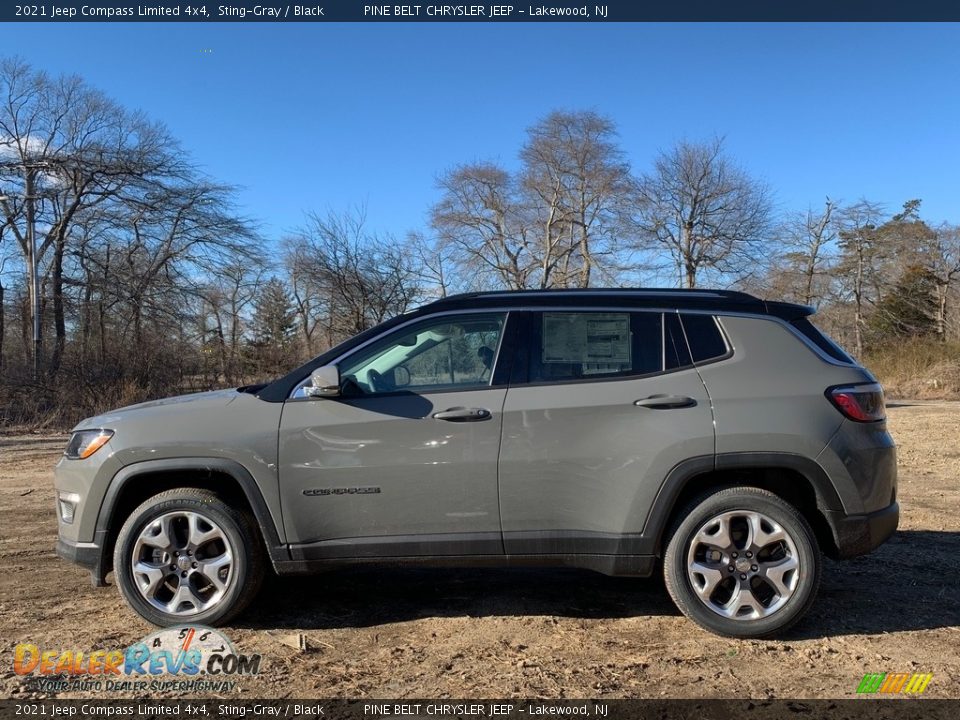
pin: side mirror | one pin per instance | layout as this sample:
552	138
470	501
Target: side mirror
324	382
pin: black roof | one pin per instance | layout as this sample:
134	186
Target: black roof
681	299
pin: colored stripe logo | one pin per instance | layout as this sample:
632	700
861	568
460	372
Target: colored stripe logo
891	683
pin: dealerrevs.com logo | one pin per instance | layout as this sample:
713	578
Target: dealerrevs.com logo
892	683
189	658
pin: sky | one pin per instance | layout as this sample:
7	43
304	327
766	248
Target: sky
327	117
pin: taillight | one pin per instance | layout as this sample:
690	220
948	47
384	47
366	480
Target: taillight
862	403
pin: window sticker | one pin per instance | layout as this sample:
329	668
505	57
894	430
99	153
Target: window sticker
586	338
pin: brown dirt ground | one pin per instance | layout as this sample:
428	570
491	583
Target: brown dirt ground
520	633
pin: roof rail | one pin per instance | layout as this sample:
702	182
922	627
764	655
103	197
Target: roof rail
704	293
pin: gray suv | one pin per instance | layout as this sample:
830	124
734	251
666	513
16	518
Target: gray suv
712	432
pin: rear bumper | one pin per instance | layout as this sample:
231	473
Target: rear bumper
859	534
88	555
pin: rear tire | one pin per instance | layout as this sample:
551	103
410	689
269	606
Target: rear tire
186	557
742	562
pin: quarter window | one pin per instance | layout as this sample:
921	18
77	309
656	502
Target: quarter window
822	340
569	346
704	336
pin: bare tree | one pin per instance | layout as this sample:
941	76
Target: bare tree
119	235
578	186
944	266
360	278
702	209
558	223
4	260
436	267
814	238
802	269
862	251
227	297
66	150
305	290
481	221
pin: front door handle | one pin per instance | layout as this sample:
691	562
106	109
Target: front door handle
665	402
462	414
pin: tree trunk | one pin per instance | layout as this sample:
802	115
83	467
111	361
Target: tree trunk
59	322
858	304
810	272
222	349
3	315
941	319
102	327
85	320
140	372
689	264
33	271
26	321
585	253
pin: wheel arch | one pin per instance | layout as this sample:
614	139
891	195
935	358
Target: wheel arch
795	478
133	484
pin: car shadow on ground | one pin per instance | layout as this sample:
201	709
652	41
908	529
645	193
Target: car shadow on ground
910	583
373	595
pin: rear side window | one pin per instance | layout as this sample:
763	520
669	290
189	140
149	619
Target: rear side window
570	346
821	340
704	337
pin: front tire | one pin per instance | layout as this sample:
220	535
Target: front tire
185	556
742	562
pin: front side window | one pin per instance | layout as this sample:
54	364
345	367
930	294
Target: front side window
588	345
447	352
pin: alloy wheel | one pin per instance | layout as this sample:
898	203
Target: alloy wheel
743	565
182	563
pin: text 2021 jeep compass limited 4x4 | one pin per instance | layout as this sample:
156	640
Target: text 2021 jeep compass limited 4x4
718	434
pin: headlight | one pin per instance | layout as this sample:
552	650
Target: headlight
85	443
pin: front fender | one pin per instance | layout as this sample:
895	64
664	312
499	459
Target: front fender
108	526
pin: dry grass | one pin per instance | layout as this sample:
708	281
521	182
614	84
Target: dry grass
918	369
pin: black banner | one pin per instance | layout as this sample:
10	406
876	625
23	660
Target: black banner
506	709
504	11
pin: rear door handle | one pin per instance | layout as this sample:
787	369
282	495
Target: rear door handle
665	402
462	414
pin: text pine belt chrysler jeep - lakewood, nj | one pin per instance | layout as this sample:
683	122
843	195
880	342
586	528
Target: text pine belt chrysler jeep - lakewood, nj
718	435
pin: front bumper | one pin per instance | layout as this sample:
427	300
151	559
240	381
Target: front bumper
859	534
86	554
